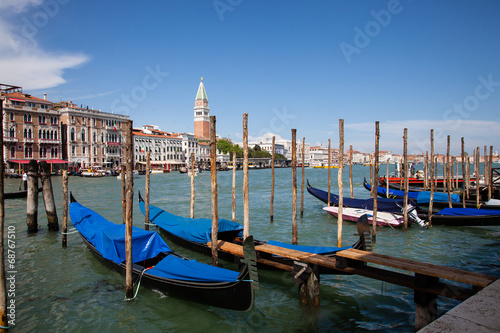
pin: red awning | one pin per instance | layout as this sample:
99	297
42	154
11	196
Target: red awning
19	161
56	161
16	99
53	161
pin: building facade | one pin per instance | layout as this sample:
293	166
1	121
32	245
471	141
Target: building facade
165	148
91	137
32	128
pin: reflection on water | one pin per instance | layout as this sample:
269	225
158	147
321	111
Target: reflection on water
69	290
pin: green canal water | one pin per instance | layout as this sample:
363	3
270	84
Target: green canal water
69	290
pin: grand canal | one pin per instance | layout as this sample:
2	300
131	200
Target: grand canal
69	290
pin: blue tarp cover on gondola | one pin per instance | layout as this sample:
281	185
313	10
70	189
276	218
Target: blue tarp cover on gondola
194	230
190	270
422	197
109	238
425	197
384	205
309	249
467	212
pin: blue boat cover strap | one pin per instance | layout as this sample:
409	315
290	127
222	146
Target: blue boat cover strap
109	238
176	268
194	230
467	212
309	249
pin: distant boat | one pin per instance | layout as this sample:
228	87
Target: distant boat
384	219
325	166
18	194
93	171
466	217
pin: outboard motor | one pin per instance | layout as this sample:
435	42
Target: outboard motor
412	215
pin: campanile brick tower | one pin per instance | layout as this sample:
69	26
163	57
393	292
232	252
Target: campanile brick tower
201	114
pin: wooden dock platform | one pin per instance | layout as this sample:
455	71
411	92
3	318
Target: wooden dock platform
427	280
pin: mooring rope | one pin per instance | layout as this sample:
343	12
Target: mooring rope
138	286
69	232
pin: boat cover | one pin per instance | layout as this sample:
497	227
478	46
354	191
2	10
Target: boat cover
309	249
422	197
109	238
194	230
467	212
176	268
383	204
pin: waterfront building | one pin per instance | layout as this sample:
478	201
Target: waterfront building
165	148
31	128
201	114
91	137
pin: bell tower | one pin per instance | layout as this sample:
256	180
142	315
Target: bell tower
201	114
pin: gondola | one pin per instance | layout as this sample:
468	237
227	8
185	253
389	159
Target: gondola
195	234
466	217
157	266
440	199
18	194
357	207
419	182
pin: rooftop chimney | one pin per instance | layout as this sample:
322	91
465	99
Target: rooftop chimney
45	96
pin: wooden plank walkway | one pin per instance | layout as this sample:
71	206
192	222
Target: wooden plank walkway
352	261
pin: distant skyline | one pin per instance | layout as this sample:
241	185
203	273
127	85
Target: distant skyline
419	65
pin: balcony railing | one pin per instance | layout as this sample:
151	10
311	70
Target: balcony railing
10	139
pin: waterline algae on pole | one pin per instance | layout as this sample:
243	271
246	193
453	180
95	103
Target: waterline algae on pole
48	197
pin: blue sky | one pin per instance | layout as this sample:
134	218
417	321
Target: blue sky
288	64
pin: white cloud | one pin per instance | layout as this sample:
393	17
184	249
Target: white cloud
24	63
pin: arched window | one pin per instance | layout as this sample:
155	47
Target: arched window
12	152
72	134
95	137
12	132
83	135
29	133
11	116
55	135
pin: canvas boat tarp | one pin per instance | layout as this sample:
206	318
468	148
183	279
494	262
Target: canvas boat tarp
194	230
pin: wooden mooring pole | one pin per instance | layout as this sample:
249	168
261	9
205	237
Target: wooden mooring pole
464	182
448	172
490	172
477	160
303	178
329	172
350	172
129	196
146	190
192	186
246	200
431	200
32	197
375	182
294	188
272	181
213	182
233	192
405	162
340	217
65	209
371	175
3	286
48	197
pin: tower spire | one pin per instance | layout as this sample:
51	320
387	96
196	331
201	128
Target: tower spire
201	113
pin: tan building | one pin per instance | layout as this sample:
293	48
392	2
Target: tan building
32	128
91	137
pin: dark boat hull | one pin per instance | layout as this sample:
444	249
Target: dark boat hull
481	220
18	194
